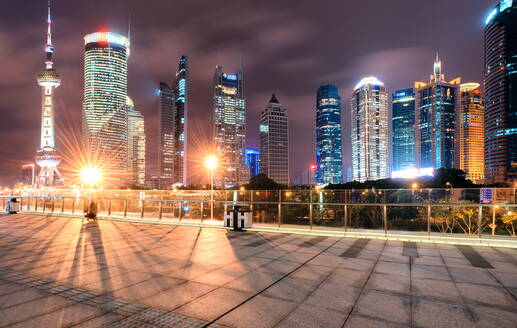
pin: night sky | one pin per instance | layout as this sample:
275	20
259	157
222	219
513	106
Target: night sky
286	47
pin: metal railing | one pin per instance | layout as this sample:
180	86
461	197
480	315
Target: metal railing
426	213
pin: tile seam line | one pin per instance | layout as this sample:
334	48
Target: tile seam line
269	286
364	284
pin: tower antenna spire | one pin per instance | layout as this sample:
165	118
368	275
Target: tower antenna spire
49	48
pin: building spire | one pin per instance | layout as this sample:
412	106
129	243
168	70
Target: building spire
49	49
437	68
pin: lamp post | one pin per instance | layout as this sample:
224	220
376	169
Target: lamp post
211	164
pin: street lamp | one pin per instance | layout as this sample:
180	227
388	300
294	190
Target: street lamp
211	164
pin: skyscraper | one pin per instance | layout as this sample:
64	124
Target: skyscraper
229	127
369	130
105	111
47	157
180	123
501	93
403	128
328	135
274	142
136	145
252	160
167	99
436	104
470	156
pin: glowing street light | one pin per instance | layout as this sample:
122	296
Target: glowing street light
211	164
91	176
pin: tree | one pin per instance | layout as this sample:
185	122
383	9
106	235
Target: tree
510	223
262	182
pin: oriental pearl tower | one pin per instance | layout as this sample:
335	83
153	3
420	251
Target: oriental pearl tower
47	157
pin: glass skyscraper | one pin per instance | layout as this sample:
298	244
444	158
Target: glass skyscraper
274	142
328	135
166	103
436	104
403	127
229	128
252	160
180	122
501	93
136	145
104	111
470	156
369	130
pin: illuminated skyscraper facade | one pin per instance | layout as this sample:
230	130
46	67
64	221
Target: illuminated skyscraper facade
135	146
167	100
180	123
501	93
403	127
47	157
470	155
436	104
274	142
105	115
229	128
369	130
328	135
252	160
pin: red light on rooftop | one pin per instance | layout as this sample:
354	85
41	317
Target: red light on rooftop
313	166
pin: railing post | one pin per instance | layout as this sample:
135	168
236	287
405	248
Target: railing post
160	210
73	205
251	201
429	221
35	204
125	207
63	205
202	211
385	219
44	204
346	218
180	210
279	208
109	207
310	208
142	209
480	217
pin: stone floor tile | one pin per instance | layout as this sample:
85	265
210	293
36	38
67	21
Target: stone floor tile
254	281
389	282
480	294
25	311
260	312
428	260
384	306
291	289
473	276
334	297
357	264
63	317
438	289
347	277
20	297
392	268
430	272
435	314
358	321
507	279
210	306
308	317
490	317
177	296
312	272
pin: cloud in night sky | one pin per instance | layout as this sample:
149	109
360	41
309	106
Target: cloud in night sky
286	47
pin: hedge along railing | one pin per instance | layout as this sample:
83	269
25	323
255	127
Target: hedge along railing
443	219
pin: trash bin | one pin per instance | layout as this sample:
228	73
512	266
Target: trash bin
238	218
12	206
90	212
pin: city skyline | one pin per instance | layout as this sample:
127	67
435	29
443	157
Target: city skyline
295	98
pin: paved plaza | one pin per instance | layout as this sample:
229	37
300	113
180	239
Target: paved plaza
59	272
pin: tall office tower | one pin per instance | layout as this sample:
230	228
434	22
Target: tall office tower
47	157
166	136
436	104
105	111
180	123
229	128
501	93
403	128
470	129
135	145
274	142
328	135
369	130
252	160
